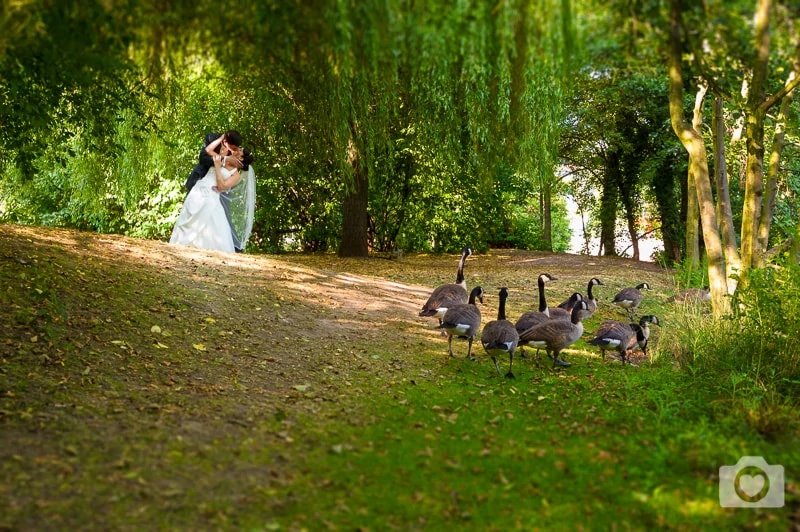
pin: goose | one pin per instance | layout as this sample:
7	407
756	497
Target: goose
500	337
616	335
534	317
529	319
642	331
445	295
629	298
564	311
562	314
556	335
463	320
691	296
591	301
569	303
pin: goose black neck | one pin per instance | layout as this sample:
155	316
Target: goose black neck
473	295
501	311
542	300
589	290
576	314
460	274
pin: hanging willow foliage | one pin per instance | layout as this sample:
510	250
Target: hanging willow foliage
421	125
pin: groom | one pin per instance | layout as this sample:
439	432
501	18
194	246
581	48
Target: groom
231	142
230	148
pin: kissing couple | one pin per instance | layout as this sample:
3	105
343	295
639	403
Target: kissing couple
220	203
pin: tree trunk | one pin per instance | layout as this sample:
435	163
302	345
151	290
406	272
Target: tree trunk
778	142
795	250
692	206
548	216
724	210
698	165
667	199
609	198
754	171
630	216
354	207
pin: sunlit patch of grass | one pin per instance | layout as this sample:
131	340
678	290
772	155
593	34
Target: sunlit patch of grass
465	446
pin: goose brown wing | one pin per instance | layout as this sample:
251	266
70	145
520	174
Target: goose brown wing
462	314
499	334
444	296
529	319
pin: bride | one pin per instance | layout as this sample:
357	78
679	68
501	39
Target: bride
218	211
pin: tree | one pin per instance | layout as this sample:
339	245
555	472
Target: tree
64	68
698	165
757	106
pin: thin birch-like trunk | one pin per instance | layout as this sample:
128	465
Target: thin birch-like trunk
698	163
724	210
778	142
692	205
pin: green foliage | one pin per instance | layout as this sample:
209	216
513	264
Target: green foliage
526	227
769	321
692	275
787	209
454	113
750	359
63	69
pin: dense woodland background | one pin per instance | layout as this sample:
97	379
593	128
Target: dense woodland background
416	125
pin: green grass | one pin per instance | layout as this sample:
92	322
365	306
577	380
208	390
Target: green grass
603	446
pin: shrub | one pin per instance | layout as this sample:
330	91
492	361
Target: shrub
748	362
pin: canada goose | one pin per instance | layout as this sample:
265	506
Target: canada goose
591	301
445	295
616	335
463	320
691	296
529	319
570	302
642	331
561	314
500	337
629	298
534	317
556	335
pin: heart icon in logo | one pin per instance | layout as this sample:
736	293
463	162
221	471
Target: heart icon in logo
751	484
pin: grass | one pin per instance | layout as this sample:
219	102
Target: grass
147	388
599	447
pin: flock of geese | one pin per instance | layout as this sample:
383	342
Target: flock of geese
552	329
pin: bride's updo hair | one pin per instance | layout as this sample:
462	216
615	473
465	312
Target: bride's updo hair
247	159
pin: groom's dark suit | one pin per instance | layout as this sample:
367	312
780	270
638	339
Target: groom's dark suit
200	171
206	162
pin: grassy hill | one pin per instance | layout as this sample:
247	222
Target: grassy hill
144	386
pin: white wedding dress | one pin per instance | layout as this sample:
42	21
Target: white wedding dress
202	222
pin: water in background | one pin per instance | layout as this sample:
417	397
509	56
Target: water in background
647	245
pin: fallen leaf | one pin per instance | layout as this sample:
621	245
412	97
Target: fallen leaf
199	347
155	329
